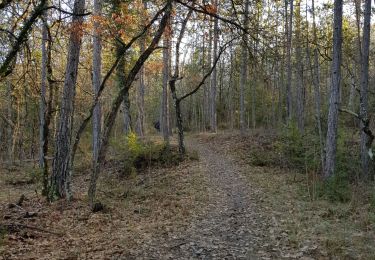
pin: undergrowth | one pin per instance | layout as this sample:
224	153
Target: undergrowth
135	154
300	154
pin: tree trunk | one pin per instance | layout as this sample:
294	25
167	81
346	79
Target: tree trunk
127	116
140	129
60	179
111	116
352	92
11	126
164	122
213	117
316	81
96	78
231	89
289	63
365	145
331	141
42	104
243	79
300	86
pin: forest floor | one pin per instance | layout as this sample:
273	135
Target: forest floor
221	206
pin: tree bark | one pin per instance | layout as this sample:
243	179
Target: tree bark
96	78
61	172
213	117
365	145
289	63
11	125
316	81
331	141
140	129
243	76
300	86
42	104
164	122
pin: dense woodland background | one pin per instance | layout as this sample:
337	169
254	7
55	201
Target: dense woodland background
81	82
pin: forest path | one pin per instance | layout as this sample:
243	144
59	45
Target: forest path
230	227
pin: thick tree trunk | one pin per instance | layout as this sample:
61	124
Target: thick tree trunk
365	145
60	179
331	141
243	76
96	79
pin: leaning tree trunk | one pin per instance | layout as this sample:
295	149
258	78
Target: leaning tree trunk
61	171
331	141
365	144
120	82
96	79
111	115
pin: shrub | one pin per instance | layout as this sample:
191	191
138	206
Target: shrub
135	154
299	151
336	188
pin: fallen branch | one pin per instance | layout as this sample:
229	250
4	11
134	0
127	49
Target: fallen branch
15	226
366	128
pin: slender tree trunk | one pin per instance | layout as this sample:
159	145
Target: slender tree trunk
352	90
300	86
96	79
140	129
164	121
243	76
289	63
60	179
365	145
213	116
316	81
331	141
231	89
11	126
127	116
206	86
209	83
42	104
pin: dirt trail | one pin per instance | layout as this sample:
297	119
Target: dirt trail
230	227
